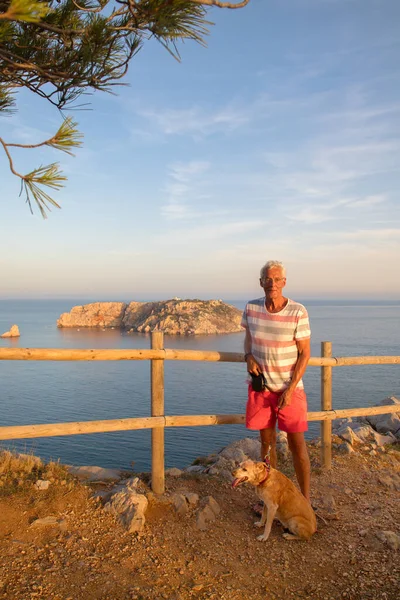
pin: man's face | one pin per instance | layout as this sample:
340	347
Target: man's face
273	283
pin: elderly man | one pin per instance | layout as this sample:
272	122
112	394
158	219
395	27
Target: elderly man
277	345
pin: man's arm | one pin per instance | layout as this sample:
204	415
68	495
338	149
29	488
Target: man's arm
304	353
252	364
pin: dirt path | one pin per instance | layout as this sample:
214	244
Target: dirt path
87	555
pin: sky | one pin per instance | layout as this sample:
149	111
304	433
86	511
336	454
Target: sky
280	140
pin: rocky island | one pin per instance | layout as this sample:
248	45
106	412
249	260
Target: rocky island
173	317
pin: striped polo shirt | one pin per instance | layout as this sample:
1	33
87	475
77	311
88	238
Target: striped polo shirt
273	339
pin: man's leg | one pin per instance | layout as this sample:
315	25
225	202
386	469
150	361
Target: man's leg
301	461
268	443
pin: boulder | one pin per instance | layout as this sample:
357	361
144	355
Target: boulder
248	447
195	469
174	472
183	501
232	453
357	432
207	512
346	433
129	507
388	423
180	504
191	498
346	448
14	332
90	473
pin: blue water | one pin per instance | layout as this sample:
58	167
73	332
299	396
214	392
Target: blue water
50	392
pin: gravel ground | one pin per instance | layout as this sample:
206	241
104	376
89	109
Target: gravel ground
85	554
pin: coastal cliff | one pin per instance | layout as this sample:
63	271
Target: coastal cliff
173	317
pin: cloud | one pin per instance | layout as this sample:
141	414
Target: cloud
182	187
196	121
367	201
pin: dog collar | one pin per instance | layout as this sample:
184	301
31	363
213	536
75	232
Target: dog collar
267	465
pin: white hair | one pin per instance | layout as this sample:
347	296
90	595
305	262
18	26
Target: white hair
272	264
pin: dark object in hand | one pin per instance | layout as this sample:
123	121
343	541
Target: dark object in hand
258	382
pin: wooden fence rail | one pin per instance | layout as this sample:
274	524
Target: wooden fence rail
157	354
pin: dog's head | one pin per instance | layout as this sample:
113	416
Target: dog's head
251	472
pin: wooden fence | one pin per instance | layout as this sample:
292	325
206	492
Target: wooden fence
157	422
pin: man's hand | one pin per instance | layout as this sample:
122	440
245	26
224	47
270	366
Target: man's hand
253	366
285	398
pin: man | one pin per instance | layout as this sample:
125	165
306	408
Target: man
277	344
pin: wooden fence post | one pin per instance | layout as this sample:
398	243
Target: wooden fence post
157	410
326	404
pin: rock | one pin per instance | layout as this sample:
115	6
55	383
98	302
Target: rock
45	522
129	507
195	469
232	453
282	446
180	504
251	447
389	401
364	434
209	501
362	532
222	464
391	481
42	484
346	433
389	423
192	498
328	502
225	474
174	472
384	440
130	485
97	314
90	473
174	317
338	423
204	516
204	461
102	496
346	448
213	471
13	332
390	538
208	511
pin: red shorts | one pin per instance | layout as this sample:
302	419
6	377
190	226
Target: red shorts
262	411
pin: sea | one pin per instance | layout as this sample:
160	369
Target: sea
34	392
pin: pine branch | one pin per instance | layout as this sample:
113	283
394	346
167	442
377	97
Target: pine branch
67	137
219	4
7	100
29	11
50	176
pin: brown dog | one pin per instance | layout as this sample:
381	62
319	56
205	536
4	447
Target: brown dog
282	500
